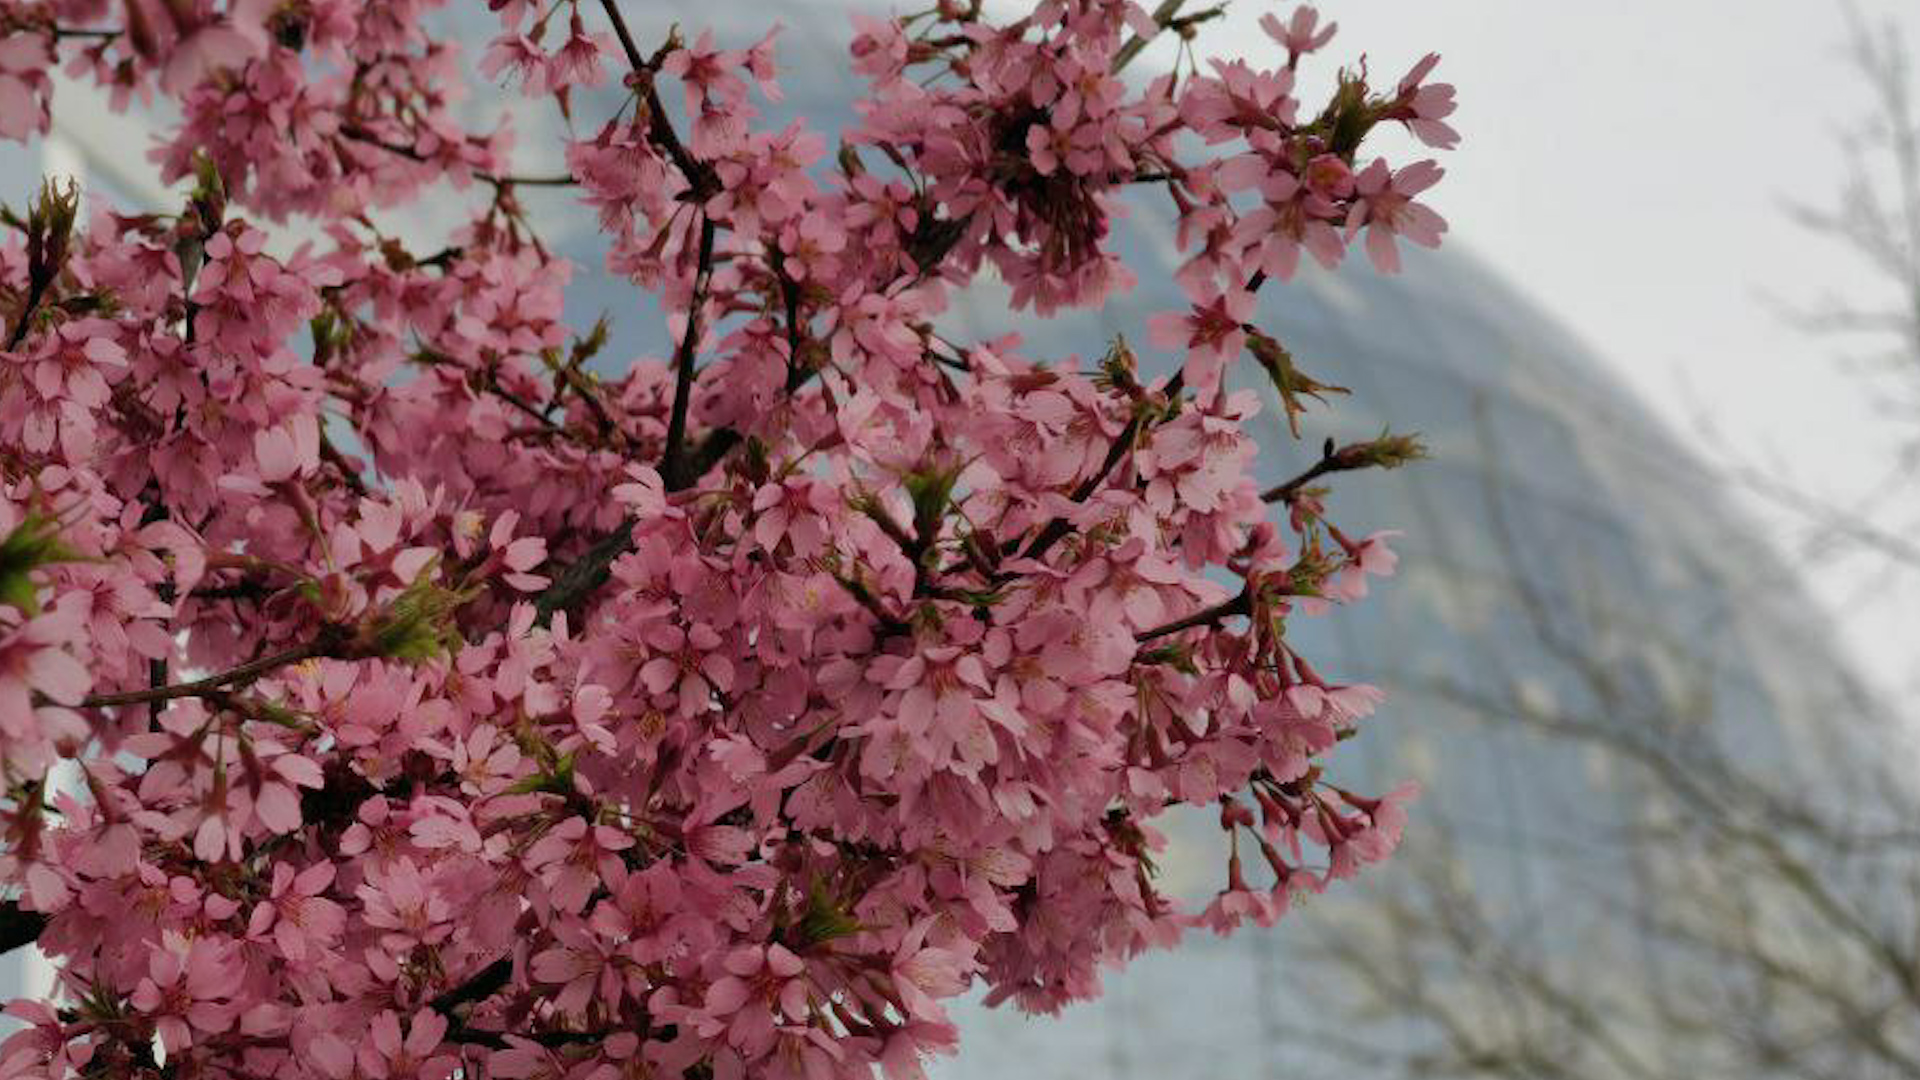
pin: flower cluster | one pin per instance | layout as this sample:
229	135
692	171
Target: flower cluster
391	686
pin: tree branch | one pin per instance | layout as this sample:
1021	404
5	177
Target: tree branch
361	135
699	174
582	387
18	927
585	575
625	35
64	32
673	464
327	644
1057	529
479	986
1166	17
1239	605
36	292
1386	452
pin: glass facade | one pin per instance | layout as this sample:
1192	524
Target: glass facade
1564	557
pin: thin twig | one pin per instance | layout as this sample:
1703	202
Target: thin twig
1163	17
572	379
327	644
62	32
1057	529
361	135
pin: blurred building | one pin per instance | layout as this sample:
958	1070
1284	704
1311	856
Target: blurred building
1566	562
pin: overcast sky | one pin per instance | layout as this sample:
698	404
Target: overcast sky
1628	164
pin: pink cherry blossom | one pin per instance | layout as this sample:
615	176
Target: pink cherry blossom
37	657
188	989
397	681
1385	209
1301	33
1423	106
1213	334
757	985
390	1054
25	62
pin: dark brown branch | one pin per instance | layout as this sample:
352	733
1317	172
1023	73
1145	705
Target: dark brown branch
480	986
703	183
790	300
571	379
489	381
1386	452
721	440
673	464
1290	490
563	180
1239	605
348	474
1057	529
890	624
36	292
327	644
625	35
586	574
711	449
18	927
1167	17
64	32
1162	15
361	135
244	589
660	130
525	407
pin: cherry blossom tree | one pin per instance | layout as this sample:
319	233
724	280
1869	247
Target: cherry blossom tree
391	686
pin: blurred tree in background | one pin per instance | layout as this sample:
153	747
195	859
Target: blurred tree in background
1753	910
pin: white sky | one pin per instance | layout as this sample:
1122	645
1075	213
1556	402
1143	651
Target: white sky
1628	164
